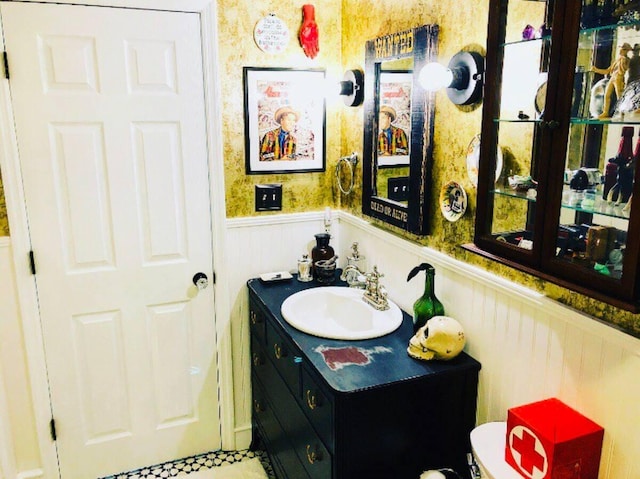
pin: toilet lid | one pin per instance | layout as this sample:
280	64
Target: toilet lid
488	442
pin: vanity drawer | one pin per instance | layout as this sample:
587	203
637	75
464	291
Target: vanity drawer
284	357
297	429
257	321
283	456
258	357
318	408
313	454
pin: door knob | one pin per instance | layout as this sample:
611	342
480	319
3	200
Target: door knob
200	280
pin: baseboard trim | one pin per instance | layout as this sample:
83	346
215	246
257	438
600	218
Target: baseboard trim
243	436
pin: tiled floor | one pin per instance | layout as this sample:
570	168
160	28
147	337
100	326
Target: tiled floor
191	464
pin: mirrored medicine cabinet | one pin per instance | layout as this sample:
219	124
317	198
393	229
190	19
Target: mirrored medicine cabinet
398	128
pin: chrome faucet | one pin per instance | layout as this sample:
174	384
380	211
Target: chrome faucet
375	294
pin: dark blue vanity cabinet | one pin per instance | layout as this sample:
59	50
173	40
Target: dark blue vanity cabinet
353	409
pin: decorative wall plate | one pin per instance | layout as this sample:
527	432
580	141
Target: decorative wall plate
473	160
453	201
271	34
541	96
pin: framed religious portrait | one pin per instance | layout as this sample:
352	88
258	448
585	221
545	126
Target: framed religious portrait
285	116
394	135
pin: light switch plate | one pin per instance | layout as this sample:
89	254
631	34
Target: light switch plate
398	188
269	197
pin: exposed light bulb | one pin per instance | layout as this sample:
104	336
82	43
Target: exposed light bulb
434	76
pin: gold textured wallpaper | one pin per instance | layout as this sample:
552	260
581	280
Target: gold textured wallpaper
4	224
301	191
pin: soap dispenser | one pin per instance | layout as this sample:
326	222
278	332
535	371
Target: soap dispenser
428	305
356	259
356	269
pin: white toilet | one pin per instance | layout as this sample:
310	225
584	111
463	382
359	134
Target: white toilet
487	443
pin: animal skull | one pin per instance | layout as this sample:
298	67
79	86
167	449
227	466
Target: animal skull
441	338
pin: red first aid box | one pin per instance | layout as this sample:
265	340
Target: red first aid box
549	440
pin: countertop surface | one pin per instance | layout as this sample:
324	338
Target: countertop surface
351	366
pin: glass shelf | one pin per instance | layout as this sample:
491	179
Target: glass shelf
518	120
532	40
624	24
603	209
629	120
514	194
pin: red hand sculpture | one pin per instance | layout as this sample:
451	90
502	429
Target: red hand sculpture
309	32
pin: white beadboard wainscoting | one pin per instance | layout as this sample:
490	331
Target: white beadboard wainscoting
530	347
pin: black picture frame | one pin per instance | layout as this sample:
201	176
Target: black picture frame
273	96
420	44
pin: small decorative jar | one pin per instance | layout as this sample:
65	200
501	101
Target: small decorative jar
304	269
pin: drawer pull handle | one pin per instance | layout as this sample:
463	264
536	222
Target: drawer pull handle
311	400
277	350
257	360
312	456
255	319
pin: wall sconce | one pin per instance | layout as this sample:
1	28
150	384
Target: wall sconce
462	78
352	88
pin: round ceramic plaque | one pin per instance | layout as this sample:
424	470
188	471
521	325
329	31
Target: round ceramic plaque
453	201
541	96
473	160
271	34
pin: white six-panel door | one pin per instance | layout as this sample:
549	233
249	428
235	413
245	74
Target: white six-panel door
110	126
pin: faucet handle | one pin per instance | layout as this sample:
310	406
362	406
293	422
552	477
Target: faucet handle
376	274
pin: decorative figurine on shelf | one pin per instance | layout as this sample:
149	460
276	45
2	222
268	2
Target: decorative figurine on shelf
616	72
521	183
544	31
633	73
629	102
309	32
621	191
622	167
529	33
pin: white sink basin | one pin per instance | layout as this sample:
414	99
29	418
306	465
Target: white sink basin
338	313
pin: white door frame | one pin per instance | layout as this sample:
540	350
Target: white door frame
20	241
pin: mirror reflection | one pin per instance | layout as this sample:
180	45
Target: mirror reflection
398	128
394	129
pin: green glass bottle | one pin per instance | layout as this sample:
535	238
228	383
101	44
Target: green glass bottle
428	305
